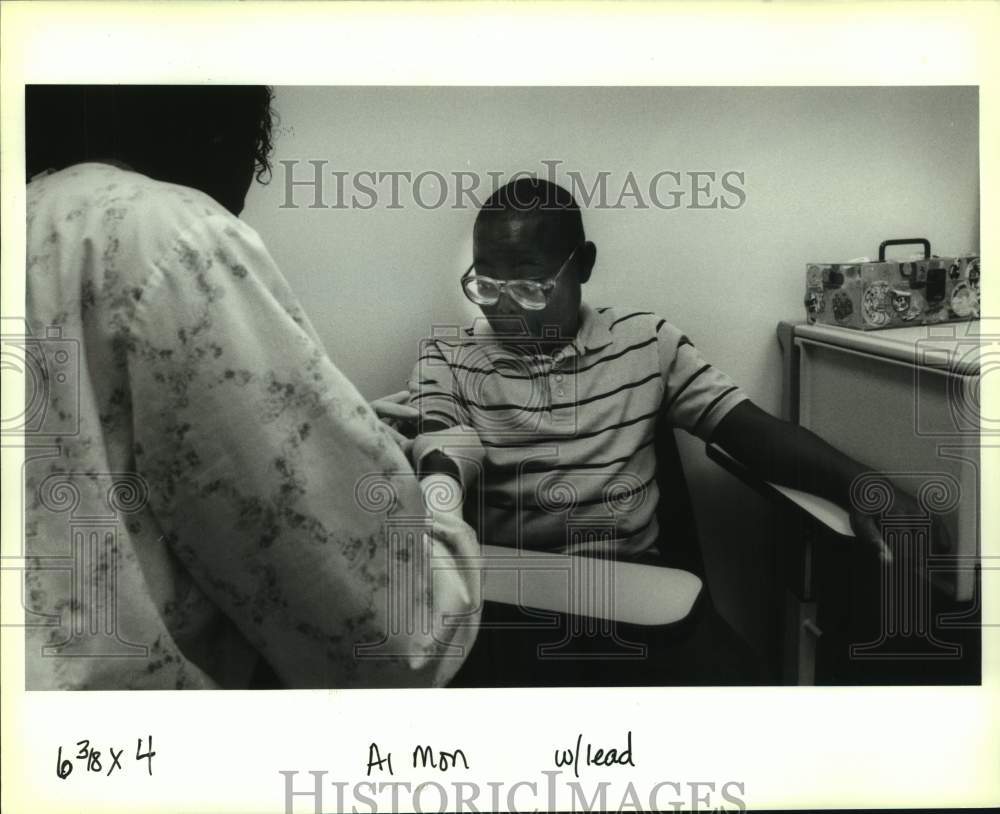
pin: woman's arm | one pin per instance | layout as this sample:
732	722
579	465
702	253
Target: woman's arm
275	483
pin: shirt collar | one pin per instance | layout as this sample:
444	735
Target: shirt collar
592	334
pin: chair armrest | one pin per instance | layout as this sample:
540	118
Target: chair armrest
587	586
818	508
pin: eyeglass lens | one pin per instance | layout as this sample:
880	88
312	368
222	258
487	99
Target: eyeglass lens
485	291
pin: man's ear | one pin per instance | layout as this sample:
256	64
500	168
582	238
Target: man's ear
588	256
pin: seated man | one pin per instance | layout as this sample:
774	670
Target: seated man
549	406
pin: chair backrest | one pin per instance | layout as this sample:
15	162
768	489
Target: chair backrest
679	544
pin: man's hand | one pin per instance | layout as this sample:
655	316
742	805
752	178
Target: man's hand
868	526
869	533
790	455
399	417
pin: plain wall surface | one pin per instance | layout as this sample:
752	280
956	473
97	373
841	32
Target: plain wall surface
828	174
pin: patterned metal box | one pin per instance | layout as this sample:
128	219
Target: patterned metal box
890	294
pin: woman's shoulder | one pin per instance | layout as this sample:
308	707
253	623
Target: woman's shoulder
106	193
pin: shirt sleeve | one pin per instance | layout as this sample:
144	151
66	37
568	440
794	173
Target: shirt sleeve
274	482
696	395
436	392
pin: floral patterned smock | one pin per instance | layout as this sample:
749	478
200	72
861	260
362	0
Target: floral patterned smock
204	490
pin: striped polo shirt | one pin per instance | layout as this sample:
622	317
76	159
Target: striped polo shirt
561	439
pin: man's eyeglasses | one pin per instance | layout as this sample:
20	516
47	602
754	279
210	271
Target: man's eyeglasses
530	294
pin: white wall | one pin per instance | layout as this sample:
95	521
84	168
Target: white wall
829	172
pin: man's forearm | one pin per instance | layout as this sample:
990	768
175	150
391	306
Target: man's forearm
437	463
439	477
786	454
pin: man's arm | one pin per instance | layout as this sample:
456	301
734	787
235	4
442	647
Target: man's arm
441	484
790	455
439	476
403	421
704	401
786	453
446	444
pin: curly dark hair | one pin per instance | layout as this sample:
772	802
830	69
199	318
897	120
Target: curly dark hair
266	119
160	129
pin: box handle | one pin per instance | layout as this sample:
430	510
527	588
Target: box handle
904	241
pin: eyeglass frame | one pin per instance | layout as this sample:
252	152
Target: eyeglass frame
546	287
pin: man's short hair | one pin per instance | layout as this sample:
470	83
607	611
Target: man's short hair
535	197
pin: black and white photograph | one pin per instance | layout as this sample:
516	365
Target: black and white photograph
625	410
422	386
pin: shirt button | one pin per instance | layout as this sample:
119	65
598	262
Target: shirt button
560	392
559	377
